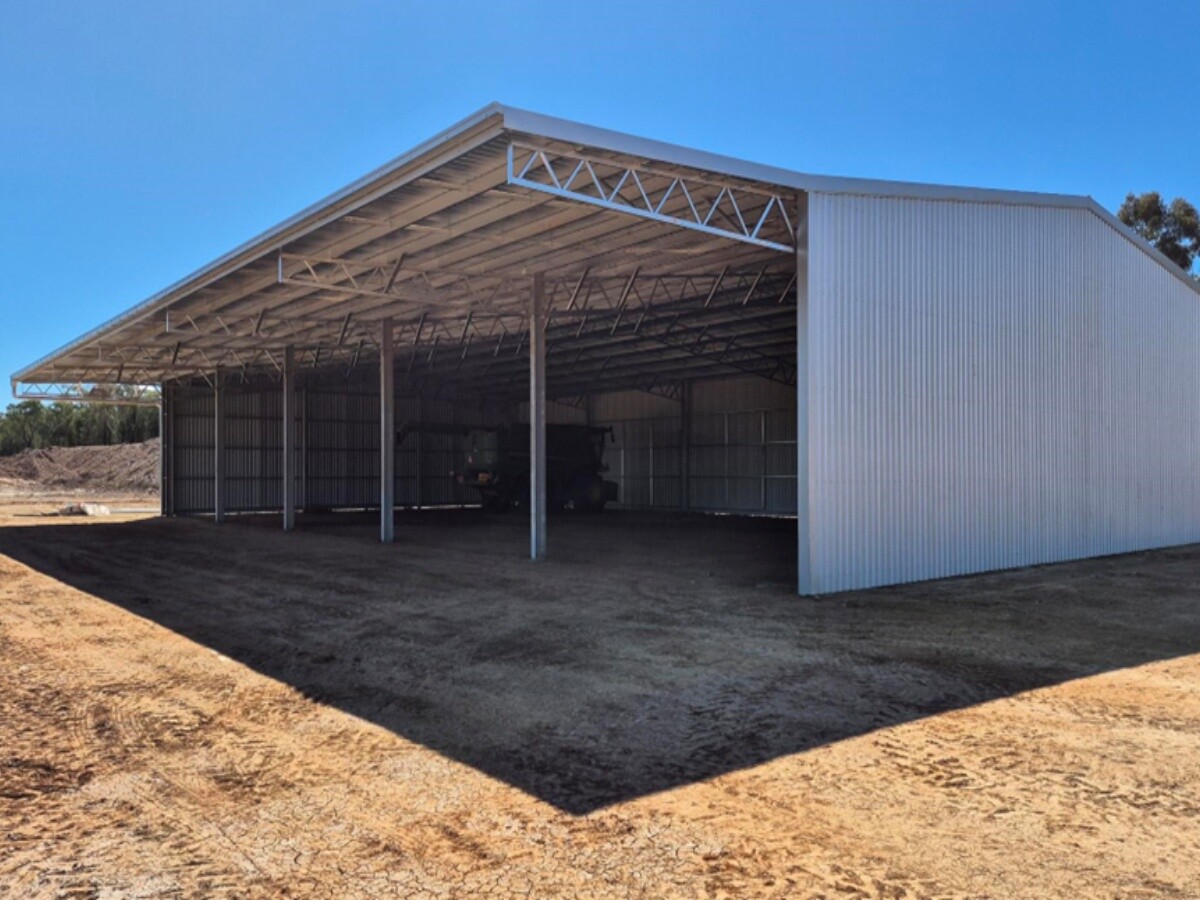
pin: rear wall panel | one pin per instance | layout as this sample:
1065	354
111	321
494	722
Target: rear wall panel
742	446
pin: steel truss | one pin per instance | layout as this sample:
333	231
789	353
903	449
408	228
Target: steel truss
637	329
65	392
723	208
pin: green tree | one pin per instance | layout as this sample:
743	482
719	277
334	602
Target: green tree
31	425
23	426
62	425
1174	228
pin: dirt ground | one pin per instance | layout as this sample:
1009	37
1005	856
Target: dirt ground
117	469
198	710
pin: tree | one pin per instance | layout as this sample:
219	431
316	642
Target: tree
22	426
31	424
1173	229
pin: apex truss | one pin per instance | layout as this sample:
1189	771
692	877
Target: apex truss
743	213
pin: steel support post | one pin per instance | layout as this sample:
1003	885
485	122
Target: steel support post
387	434
420	460
806	582
218	449
289	439
302	448
166	444
537	419
685	446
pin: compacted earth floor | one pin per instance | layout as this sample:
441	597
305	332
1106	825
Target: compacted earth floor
189	709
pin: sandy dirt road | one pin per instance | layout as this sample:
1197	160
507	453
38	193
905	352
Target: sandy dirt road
187	710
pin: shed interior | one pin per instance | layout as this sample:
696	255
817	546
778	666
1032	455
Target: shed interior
512	269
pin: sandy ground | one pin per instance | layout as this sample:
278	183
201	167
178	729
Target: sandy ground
193	710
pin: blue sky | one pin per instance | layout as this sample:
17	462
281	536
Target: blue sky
140	140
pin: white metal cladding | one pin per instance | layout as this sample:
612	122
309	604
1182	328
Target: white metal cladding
992	386
643	455
743	447
643	459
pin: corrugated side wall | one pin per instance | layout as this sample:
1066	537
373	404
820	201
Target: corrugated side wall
192	451
992	386
643	456
254	449
742	456
337	449
339	445
743	447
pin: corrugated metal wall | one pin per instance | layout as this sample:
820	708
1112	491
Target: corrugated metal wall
643	455
337	449
192	451
743	446
254	449
557	413
339	445
426	463
743	455
992	386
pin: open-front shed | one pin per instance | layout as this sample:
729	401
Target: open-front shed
931	380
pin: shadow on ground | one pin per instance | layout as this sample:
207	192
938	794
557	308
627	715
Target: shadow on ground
651	651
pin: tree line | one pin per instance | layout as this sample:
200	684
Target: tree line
33	425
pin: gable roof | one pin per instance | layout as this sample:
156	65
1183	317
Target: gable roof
474	206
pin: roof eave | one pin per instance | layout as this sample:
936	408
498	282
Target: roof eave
356	194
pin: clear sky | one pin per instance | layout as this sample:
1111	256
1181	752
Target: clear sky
138	141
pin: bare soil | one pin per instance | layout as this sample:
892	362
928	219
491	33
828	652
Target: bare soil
126	469
198	710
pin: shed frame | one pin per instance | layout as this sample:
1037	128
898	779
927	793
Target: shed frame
518	258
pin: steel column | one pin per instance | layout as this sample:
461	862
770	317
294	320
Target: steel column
166	446
289	439
806	583
537	419
420	460
685	446
218	449
302	462
387	434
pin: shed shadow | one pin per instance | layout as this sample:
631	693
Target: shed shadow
651	651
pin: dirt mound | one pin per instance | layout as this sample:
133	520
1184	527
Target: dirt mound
119	467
